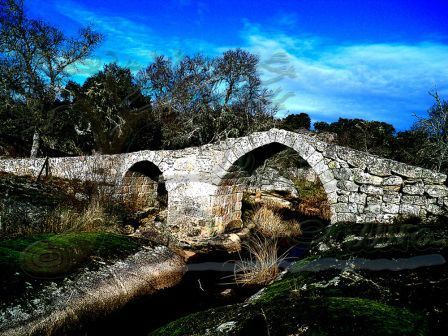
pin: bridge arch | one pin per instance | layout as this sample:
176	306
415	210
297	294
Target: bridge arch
143	185
227	199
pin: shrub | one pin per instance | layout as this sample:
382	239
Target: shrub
313	199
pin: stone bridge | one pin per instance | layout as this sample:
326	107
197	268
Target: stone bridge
204	185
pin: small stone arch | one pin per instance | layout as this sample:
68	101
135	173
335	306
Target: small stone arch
227	200
143	186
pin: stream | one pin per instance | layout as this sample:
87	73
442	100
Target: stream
208	283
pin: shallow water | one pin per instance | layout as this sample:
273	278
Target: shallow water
202	287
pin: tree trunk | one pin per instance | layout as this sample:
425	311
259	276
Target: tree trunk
35	146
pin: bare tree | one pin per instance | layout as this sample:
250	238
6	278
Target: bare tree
203	99
435	148
39	55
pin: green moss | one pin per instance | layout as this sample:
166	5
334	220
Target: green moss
57	254
313	316
308	190
371	317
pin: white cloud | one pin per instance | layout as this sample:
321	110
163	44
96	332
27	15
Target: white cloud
373	81
130	43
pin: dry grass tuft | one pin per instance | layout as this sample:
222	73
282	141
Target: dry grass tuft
93	218
269	223
262	266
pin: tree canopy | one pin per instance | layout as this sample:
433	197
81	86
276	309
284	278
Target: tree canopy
34	61
193	101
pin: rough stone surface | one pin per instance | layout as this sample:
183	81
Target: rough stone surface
205	188
414	189
93	293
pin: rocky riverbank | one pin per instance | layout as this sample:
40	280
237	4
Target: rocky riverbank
368	279
57	307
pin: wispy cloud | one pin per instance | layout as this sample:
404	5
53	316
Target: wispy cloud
373	81
129	42
381	81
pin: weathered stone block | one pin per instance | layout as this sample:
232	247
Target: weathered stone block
315	158
326	176
304	149
391	189
431	177
414	189
434	209
357	198
436	190
406	170
410	210
354	158
373	208
343	199
346	217
371	190
259	139
379	167
347	185
393	181
343	192
330	187
332	197
331	152
392	198
366	178
343	174
280	135
320	167
413	199
345	207
374	199
390	208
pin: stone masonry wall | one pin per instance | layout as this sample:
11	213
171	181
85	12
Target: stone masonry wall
360	187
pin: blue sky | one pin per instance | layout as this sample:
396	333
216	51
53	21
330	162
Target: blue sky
371	59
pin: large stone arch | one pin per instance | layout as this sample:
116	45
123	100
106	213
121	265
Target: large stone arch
227	199
360	187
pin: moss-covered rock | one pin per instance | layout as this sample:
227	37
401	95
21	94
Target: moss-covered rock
368	279
301	316
30	262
